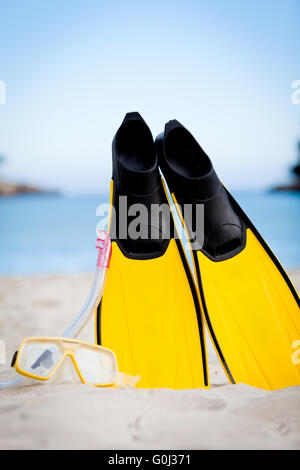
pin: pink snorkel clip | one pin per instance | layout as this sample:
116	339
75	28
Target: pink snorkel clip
103	244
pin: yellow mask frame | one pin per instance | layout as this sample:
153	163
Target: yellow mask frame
68	349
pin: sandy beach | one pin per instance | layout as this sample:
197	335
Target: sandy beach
83	417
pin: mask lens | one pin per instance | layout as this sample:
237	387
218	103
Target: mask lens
96	366
39	358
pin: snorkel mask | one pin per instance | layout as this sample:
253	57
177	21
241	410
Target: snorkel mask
66	360
61	360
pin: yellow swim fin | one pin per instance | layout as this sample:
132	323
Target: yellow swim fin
251	307
150	313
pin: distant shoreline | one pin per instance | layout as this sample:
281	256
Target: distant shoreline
8	189
288	188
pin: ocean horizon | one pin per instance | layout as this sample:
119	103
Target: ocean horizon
50	234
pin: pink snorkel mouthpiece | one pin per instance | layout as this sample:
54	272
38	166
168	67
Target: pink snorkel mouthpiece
103	244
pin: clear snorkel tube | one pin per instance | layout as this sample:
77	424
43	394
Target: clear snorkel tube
103	244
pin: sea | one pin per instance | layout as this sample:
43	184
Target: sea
49	234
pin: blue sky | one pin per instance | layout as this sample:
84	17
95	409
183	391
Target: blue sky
224	68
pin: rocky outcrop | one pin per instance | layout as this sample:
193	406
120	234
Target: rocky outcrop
12	189
289	187
295	185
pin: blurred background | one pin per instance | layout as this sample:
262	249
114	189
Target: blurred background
72	68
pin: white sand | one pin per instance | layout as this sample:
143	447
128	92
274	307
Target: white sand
77	416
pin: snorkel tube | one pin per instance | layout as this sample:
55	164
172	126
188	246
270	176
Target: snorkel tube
103	245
